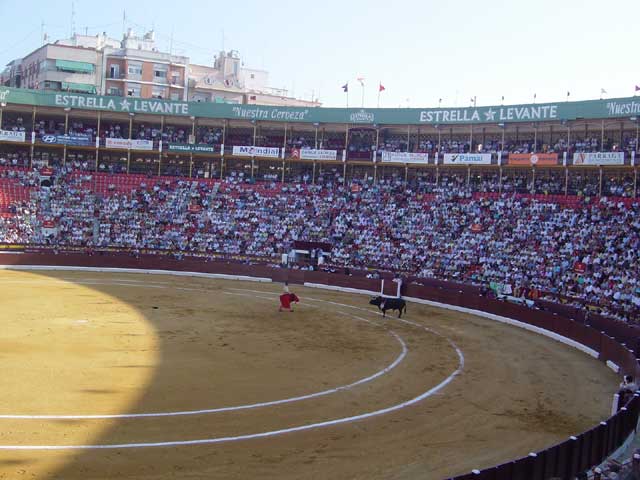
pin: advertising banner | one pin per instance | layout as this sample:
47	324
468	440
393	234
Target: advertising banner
9	136
598	158
588	109
141	145
313	154
122	143
67	139
467	158
247	151
405	157
533	159
127	144
191	148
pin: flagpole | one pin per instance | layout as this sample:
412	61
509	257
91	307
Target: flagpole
379	94
362	86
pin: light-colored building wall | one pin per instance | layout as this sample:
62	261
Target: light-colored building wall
41	73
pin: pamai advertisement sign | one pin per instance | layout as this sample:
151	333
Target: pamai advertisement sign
247	151
405	157
313	154
467	158
598	158
126	144
9	136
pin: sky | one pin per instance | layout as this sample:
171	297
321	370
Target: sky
420	50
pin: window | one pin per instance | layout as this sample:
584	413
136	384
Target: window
175	96
159	92
114	91
114	70
253	76
160	72
135	69
133	90
49	85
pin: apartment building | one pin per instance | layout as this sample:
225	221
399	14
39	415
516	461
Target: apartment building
228	81
57	68
135	67
139	69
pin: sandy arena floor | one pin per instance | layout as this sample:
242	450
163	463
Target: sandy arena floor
157	350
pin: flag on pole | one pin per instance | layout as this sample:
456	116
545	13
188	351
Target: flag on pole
637	88
568	93
603	91
380	89
345	87
361	80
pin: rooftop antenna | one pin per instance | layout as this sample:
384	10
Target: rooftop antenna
42	38
73	19
124	22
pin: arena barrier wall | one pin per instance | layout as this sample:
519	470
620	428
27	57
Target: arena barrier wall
605	337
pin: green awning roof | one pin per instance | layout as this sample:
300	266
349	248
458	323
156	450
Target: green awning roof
71	66
78	87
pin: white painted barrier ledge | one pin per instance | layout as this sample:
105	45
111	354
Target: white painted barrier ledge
221	276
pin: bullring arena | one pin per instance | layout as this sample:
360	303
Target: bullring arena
156	376
145	244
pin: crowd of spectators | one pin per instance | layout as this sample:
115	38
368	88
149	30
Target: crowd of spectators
516	245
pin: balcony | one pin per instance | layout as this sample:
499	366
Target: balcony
59	76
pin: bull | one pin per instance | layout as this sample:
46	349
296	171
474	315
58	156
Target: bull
385	304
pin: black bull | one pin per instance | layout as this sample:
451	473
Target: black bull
385	304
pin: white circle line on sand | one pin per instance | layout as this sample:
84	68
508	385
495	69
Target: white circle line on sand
252	436
271	433
379	373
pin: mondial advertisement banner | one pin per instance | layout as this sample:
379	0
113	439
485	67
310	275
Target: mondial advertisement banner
598	158
467	158
405	157
247	151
